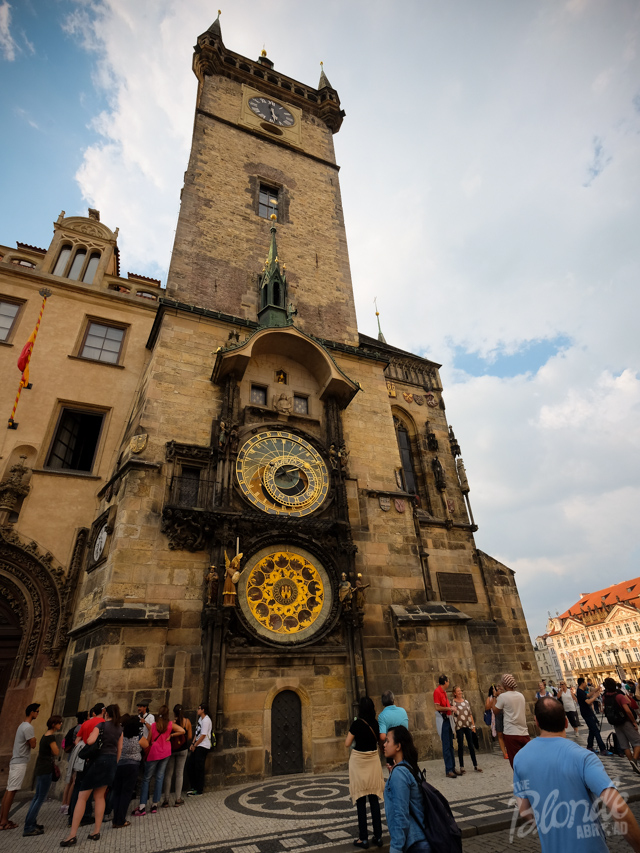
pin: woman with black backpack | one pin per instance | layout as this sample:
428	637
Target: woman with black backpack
419	818
403	802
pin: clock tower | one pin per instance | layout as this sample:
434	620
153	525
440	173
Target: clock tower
288	524
262	146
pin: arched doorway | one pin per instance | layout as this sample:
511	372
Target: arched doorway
10	637
286	734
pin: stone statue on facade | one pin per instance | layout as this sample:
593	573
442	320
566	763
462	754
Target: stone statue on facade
438	473
212	580
234	439
462	476
283	404
12	488
360	592
222	435
343	456
345	590
334	458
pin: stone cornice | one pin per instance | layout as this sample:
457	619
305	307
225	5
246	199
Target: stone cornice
212	57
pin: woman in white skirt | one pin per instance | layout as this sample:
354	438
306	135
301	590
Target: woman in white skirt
365	772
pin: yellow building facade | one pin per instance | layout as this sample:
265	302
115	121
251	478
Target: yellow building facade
599	636
88	357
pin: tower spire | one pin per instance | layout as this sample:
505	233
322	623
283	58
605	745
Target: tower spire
273	287
324	80
381	337
215	26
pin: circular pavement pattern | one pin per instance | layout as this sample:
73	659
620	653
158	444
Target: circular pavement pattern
293	798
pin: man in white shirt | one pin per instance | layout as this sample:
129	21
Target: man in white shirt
145	718
511	705
24	742
203	740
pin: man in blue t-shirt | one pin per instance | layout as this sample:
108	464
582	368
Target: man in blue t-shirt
391	715
556	783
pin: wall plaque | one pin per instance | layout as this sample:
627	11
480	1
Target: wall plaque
457	586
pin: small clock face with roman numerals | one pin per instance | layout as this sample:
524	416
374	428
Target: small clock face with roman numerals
271	111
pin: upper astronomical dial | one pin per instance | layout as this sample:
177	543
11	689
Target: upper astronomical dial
271	111
282	474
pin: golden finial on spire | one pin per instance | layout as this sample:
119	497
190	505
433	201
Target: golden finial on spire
273	216
263	52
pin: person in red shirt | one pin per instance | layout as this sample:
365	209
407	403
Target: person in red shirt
443	725
97	716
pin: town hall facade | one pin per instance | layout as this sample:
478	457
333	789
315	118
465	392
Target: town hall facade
258	507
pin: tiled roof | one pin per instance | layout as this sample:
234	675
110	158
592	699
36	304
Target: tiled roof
136	277
30	248
624	592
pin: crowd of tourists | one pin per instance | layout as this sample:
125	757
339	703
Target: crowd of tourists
109	754
548	771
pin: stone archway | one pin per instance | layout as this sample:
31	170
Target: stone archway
36	596
10	640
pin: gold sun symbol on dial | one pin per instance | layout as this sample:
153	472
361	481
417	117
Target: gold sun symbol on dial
285	593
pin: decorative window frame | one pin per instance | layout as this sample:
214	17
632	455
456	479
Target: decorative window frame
47	445
76	246
84	332
12	300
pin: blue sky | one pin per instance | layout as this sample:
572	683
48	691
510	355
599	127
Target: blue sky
492	148
48	101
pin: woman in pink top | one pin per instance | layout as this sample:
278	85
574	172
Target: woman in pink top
157	759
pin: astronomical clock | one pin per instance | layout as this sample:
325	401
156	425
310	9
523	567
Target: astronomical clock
282	474
285	594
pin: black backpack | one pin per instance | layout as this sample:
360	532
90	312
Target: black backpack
442	832
614	713
613	744
68	742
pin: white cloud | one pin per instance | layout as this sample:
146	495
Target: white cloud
8	47
464	155
25	115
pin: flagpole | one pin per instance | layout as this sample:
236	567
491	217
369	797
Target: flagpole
45	293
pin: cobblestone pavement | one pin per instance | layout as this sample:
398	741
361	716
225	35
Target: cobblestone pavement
295	813
501	842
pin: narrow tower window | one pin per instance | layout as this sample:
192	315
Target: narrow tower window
92	266
404	444
78	263
63	260
268	201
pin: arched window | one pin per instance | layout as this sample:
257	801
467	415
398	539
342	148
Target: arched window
63	260
92	266
78	263
406	458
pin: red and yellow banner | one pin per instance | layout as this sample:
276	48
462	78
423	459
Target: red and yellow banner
25	358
